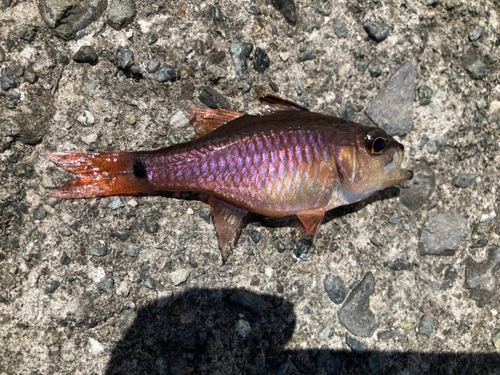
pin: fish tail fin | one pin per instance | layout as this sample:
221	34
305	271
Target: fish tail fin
101	174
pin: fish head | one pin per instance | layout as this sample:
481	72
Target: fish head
372	161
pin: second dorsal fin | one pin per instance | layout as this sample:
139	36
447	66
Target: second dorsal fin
272	103
204	120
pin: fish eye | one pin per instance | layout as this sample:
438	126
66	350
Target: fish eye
376	141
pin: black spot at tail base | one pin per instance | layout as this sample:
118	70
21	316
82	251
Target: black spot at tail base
139	169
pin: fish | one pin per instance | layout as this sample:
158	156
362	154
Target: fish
286	161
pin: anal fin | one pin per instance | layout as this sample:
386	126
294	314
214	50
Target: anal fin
227	220
312	220
204	120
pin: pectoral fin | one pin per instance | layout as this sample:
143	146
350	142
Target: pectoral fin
227	220
204	120
312	220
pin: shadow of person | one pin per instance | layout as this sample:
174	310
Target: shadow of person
234	331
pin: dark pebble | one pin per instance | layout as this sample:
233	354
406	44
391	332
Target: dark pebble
7	82
153	66
281	247
31	77
218	16
150	283
306	56
261	60
464	180
274	31
152	38
357	346
14	94
362	66
3	56
375	72
39	213
65	259
399	265
254	10
348	113
274	87
105	285
52	287
283	369
99	249
122	235
134	252
256	236
424	95
450	276
249	301
355	314
377	33
151	225
474	66
287	9
166	73
86	55
335	289
339	29
205	215
385	335
303	249
62	58
213	99
480	276
246	87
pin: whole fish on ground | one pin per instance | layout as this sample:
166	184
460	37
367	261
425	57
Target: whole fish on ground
287	161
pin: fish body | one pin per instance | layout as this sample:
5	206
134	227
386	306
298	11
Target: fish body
287	162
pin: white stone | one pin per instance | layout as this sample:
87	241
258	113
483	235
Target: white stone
95	347
89	139
85	118
179	276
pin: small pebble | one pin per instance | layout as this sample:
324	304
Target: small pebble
99	249
476	34
116	204
325	333
425	326
39	213
303	249
363	65
274	87
256	236
86	118
298	88
65	259
130	118
306	56
7	82
86	55
105	285
339	29
134	252
153	66
166	73
377	33
480	104
385	335
68	357
261	60
179	276
150	283
152	38
375	72
151	225
464	180
357	346
424	95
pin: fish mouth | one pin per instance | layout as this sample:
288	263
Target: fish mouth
395	164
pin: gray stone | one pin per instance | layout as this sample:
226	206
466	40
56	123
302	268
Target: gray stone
52	287
249	301
480	104
415	192
426	326
480	276
125	58
256	236
306	56
434	145
375	72
385	335
7	81
65	232
134	252
3	55
424	95
430	3
377	33
179	276
32	124
86	117
39	213
86	54
105	285
303	249
355	314
339	29
65	259
240	52
325	333
121	13
357	346
68	357
287	9
348	112
476	34
392	109
150	283
464	180
153	66
14	94
474	66
166	73
335	289
98	249
151	225
213	99
67	17
363	65
116	204
443	234
30	77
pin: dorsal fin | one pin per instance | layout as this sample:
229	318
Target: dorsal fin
204	120
271	103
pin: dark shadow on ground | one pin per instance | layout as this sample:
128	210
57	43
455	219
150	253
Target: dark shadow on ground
232	331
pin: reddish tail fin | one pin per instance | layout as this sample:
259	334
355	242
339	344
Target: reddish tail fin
101	174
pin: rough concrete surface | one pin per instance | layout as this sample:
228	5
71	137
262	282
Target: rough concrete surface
136	285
